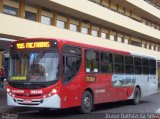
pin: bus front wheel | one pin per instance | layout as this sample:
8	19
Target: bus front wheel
137	96
86	102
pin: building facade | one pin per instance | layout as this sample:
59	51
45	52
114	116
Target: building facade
130	25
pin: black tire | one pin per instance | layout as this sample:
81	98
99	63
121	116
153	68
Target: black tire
86	103
137	96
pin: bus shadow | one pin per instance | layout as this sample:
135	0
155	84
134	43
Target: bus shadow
114	105
63	113
72	112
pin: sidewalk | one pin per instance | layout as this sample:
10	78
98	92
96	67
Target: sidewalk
3	103
3	100
158	86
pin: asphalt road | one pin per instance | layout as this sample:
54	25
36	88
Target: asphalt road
117	110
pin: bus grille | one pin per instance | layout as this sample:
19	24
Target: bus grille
33	102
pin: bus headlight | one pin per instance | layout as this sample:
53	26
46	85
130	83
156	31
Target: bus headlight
54	91
8	90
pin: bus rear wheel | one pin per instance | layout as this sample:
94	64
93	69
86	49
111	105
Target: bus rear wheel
137	96
86	102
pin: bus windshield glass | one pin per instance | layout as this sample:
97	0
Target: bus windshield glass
34	66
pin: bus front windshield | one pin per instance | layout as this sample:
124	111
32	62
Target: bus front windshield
34	66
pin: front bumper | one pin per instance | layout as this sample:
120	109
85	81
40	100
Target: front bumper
49	102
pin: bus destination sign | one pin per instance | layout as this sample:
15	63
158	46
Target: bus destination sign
33	45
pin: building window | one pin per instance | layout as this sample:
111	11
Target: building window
10	10
84	30
45	20
143	45
112	37
94	33
60	24
152	47
148	46
126	41
119	39
30	16
103	35
73	27
135	43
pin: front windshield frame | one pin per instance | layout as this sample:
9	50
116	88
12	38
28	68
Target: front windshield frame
29	52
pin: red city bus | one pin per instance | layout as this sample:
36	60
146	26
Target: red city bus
56	73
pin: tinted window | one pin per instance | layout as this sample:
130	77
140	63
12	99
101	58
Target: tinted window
106	57
145	62
129	60
91	61
128	64
152	66
71	62
129	69
137	69
119	63
145	70
137	61
10	10
30	16
145	66
119	68
152	63
152	70
137	65
118	59
106	63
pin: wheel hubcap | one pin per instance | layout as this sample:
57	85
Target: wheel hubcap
87	102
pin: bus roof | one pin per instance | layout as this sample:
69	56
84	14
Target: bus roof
106	45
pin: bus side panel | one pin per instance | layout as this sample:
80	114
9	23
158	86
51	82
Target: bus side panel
104	89
71	93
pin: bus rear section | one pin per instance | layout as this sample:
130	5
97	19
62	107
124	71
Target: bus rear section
57	74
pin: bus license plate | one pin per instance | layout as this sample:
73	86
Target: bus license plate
27	101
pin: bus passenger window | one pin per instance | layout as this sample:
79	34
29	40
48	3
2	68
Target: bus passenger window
152	66
128	64
106	63
71	62
145	66
137	65
119	63
91	61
